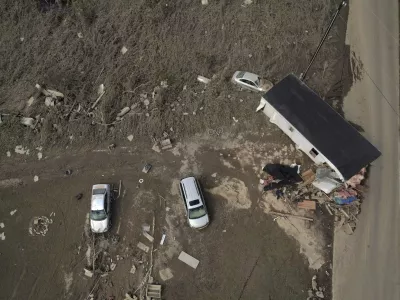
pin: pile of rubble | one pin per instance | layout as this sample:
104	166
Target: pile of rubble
40	225
341	200
315	292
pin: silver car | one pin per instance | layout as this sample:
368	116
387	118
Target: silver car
195	206
251	81
100	208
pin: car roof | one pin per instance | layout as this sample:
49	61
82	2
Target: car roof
100	186
191	191
97	202
250	76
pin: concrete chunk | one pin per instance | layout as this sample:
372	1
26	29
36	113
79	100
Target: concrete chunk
143	247
148	236
189	260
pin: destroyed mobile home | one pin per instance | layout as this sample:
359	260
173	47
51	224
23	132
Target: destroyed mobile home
339	151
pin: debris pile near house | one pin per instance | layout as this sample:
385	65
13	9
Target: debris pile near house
315	292
320	188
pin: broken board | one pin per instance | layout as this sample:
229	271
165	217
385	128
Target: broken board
307	204
189	260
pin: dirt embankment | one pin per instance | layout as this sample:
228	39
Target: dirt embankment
77	47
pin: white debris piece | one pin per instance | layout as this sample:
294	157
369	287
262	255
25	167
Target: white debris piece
88	273
30	122
39	155
163	239
21	150
314	282
204	2
234	119
8	154
36	178
1	225
30	101
2	236
146	102
124	111
124	50
133	269
189	260
164	84
49	101
319	294
100	90
148	236
143	247
167	208
55	94
13	212
113	266
166	274
203	79
146	227
80	35
214	175
130	137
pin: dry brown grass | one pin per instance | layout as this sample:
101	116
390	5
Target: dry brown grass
166	40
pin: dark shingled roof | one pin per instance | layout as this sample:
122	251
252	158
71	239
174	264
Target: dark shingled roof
332	135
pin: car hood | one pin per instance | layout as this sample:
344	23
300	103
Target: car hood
200	222
99	226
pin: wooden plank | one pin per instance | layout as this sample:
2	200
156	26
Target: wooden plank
289	215
308	176
307	204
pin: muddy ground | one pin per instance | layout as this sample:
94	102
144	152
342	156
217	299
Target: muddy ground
243	254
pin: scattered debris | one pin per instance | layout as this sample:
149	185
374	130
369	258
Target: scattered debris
146	227
2	236
49	101
143	247
141	180
234	119
148	236
314	282
123	111
146	168
113	266
129	297
308	177
166	144
167	208
88	273
100	92
133	269
40	155
130	137
80	35
202	78
356	180
307	204
164	84
39	225
124	50
166	274
153	291
290	215
36	178
1	225
214	175
30	122
21	150
163	239
189	260
13	212
8	154
315	291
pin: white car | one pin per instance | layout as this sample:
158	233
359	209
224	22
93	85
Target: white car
195	206
251	81
100	208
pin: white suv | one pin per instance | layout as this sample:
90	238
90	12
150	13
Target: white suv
195	206
100	209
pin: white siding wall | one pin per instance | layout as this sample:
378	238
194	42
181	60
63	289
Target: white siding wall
301	142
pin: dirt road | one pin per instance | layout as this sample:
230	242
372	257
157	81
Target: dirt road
366	264
243	254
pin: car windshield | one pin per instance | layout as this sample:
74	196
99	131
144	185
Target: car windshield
98	215
99	191
197	212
